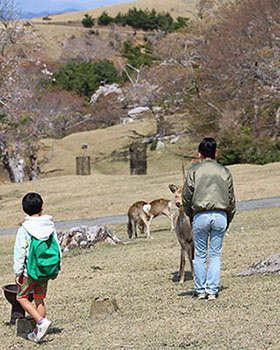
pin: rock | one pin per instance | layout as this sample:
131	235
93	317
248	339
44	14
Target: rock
269	265
138	112
160	145
105	90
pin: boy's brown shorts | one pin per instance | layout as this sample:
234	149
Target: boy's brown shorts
28	285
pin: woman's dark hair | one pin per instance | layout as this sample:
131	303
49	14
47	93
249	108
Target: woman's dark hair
207	147
32	203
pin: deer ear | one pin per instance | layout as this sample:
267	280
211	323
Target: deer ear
173	188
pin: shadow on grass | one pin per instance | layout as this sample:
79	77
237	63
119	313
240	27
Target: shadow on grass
193	294
176	277
55	330
160	230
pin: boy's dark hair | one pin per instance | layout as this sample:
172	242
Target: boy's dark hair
32	203
207	147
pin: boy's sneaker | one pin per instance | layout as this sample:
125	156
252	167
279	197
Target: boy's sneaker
201	296
33	336
212	296
40	331
43	328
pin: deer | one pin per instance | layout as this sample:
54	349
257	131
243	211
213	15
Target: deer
161	207
138	214
142	213
183	230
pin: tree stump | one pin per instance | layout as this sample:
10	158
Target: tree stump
83	165
25	326
102	307
138	158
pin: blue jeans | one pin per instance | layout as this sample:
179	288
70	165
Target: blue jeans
208	225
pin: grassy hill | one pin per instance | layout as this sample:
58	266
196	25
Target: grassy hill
175	8
109	151
55	32
110	189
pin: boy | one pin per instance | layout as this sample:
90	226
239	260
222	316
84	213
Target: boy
41	227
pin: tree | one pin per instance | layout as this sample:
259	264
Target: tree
14	40
88	21
11	31
231	69
60	112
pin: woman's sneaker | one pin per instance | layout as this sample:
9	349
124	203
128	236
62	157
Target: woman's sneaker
212	296
201	296
40	331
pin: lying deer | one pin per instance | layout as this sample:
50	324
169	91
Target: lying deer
183	231
142	214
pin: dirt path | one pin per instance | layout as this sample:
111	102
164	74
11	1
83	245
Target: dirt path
120	219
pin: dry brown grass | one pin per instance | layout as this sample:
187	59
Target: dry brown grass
69	24
110	190
178	8
156	312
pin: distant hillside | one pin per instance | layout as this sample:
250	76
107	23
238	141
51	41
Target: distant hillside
69	24
175	8
33	8
30	15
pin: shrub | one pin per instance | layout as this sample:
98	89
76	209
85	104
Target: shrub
137	55
243	148
145	19
86	77
105	19
88	21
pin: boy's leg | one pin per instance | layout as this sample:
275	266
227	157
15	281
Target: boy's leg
41	307
25	289
30	308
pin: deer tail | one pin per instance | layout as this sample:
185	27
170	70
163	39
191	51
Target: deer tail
147	208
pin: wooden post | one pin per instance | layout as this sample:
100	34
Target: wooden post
83	165
138	158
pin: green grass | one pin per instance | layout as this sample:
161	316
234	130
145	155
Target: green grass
156	312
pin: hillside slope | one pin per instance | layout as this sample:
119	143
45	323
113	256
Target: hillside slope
175	8
109	151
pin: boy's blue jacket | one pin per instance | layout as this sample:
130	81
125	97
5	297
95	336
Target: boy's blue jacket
40	227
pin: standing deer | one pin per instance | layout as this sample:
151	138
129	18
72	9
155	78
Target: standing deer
138	214
183	231
142	213
161	207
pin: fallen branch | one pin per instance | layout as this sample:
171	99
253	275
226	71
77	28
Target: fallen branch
268	266
86	237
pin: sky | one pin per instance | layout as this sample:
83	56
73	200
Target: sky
49	5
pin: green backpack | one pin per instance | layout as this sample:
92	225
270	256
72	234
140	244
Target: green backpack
44	259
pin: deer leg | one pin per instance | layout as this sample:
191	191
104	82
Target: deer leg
182	266
168	214
141	226
191	257
147	223
134	224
